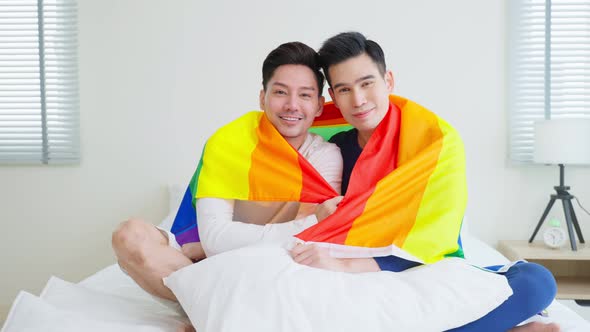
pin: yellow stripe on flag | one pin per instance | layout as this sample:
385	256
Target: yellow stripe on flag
230	147
436	225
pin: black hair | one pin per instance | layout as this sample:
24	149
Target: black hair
348	45
293	53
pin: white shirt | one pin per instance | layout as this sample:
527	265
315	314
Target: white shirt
229	224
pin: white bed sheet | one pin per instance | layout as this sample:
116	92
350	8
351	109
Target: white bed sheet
118	298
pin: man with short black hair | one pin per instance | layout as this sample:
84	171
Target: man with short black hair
360	86
291	98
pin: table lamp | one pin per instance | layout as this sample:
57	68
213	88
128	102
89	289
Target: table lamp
562	142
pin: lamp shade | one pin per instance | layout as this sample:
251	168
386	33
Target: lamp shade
562	141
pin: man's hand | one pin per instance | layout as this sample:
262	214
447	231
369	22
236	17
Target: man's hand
194	251
315	256
328	207
318	257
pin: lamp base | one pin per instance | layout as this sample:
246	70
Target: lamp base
570	215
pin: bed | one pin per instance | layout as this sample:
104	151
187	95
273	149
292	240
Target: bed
110	301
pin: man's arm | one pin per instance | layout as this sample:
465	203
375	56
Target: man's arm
220	233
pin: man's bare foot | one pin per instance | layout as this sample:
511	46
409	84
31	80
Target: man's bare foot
536	327
186	328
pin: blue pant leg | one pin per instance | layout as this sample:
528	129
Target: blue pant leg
533	288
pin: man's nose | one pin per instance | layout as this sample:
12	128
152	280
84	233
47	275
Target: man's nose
292	103
359	98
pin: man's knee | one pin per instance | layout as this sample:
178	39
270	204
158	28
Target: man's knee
129	239
542	278
534	284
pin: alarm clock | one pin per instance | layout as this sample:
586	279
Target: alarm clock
554	236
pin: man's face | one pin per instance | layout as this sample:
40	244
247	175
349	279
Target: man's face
361	92
291	102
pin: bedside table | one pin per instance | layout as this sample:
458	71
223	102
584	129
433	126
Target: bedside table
571	269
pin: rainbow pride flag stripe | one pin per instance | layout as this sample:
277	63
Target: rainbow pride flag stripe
248	159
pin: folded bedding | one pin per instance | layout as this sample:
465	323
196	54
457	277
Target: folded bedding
67	307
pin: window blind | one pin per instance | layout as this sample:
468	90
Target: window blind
39	104
548	66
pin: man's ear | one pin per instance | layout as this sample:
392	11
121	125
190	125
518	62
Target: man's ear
321	107
331	92
261	99
389	82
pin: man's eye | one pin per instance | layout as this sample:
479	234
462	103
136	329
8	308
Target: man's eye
344	90
305	95
280	92
366	84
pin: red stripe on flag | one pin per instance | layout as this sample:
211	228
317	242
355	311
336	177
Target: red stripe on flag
330	115
314	189
370	168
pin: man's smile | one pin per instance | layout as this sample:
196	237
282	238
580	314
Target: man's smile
290	118
363	114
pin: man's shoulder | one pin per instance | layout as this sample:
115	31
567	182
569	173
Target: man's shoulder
344	138
318	141
315	144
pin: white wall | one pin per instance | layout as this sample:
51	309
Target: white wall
157	77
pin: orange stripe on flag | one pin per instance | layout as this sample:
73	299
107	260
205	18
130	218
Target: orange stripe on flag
285	179
407	185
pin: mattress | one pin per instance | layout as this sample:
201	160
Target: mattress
110	300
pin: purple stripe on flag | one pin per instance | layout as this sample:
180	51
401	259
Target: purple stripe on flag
188	236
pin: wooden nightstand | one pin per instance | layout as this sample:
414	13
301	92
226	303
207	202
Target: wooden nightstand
571	269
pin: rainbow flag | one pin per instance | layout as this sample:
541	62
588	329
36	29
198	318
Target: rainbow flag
412	208
248	159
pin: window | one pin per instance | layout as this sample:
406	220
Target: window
39	122
549	66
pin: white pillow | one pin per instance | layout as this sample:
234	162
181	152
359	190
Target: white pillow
260	288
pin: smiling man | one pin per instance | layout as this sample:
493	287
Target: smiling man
291	98
360	86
